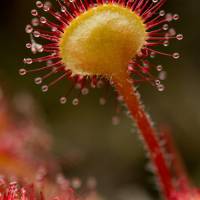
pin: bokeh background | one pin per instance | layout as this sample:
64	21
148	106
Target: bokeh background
86	143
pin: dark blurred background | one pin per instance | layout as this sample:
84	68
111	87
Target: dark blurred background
86	141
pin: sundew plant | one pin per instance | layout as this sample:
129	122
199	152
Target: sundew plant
93	41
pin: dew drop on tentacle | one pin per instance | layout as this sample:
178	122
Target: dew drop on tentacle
162	75
102	101
155	1
28	61
161	88
49	62
43	20
179	37
162	13
39	4
36	34
28	45
34	12
172	32
78	86
115	120
47	6
152	54
84	91
120	98
100	83
166	43
75	102
176	55
29	29
157	82
169	17
176	17
22	71
44	88
63	100
38	80
159	68
35	22
165	27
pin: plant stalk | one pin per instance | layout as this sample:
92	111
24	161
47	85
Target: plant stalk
124	86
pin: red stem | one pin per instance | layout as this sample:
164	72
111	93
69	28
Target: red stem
124	87
177	164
